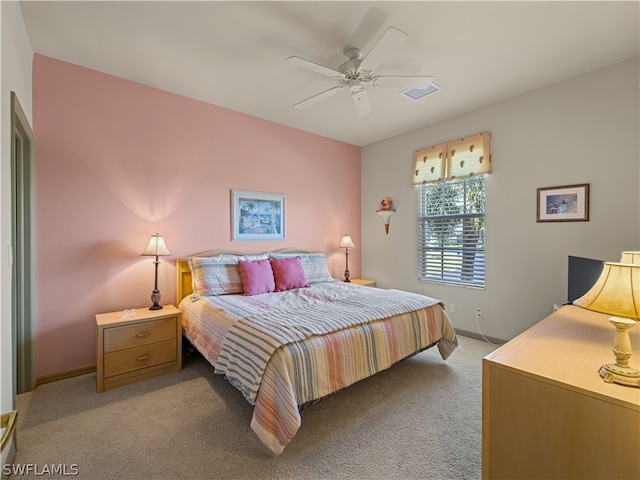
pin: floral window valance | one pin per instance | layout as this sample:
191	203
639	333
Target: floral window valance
460	158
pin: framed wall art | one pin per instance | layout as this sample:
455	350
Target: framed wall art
569	203
257	215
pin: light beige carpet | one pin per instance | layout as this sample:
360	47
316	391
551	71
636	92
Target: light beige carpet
421	419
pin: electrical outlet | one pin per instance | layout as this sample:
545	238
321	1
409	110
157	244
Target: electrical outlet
478	313
452	307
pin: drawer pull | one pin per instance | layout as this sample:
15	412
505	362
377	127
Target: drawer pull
142	334
143	357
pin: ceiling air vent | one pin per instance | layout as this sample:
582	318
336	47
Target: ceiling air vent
416	93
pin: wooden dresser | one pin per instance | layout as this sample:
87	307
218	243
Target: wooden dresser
546	413
140	346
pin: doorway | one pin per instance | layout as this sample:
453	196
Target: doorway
22	252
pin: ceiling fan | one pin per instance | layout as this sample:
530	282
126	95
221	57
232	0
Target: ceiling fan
357	72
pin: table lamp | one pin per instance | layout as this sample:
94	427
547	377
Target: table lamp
630	257
346	243
156	248
617	293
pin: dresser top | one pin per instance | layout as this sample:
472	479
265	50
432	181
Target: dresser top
141	314
567	349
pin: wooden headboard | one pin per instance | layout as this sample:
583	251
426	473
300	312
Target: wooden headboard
184	285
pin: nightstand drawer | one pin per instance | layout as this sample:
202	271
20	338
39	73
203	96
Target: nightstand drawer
137	358
119	338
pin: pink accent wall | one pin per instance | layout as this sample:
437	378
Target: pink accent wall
117	161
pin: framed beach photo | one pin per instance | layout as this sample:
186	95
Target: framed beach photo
257	215
569	203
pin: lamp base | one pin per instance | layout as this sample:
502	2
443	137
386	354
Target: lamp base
155	298
612	373
620	372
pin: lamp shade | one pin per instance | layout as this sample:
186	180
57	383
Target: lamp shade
616	292
346	242
156	247
630	257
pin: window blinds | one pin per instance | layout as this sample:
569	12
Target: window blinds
465	157
451	229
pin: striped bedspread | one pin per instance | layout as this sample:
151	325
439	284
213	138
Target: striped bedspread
283	350
251	341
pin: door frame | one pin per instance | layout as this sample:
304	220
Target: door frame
23	304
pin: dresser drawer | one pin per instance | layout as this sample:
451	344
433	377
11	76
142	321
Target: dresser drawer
119	338
134	359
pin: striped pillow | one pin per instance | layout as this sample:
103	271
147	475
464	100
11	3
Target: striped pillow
218	275
313	264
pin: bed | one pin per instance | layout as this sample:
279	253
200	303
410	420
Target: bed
286	334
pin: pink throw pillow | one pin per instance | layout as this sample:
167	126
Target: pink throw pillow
288	273
257	277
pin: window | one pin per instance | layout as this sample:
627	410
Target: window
451	231
451	200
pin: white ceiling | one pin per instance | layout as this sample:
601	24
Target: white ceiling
232	53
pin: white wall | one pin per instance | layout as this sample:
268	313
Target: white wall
16	57
585	130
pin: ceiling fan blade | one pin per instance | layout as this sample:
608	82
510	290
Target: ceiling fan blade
317	97
314	67
399	81
361	101
388	43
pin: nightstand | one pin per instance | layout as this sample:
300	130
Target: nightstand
366	283
140	346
